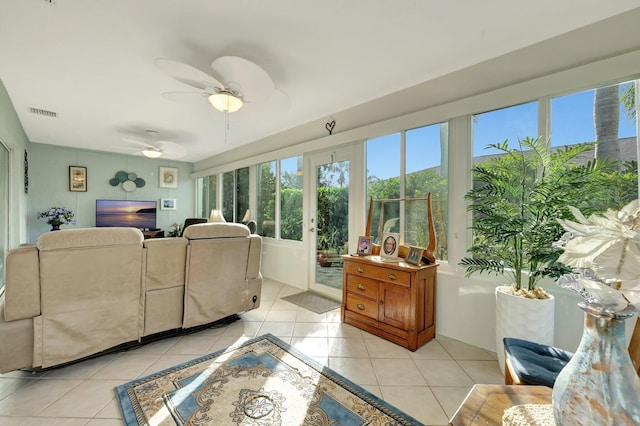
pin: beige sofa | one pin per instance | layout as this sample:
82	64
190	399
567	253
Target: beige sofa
79	292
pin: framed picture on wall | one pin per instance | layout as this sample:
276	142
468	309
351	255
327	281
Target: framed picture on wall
168	177
77	179
390	245
167	204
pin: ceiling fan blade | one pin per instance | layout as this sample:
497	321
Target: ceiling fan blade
186	97
140	144
171	149
279	100
187	74
255	83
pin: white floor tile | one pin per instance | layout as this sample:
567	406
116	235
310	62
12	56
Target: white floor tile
428	384
397	372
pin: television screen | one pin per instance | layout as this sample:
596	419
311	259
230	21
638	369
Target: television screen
136	214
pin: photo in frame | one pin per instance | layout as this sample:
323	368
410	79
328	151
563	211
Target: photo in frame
415	255
77	179
364	245
390	245
168	177
167	204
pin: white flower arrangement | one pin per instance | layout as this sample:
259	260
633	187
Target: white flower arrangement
605	251
57	216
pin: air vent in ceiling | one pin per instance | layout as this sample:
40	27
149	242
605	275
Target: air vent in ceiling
44	112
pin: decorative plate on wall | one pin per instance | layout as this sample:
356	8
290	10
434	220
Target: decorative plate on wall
130	181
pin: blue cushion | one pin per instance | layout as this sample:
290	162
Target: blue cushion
535	363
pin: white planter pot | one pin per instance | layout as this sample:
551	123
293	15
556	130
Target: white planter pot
529	319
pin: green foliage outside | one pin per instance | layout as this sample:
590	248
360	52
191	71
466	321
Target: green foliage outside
333	218
418	185
291	214
517	197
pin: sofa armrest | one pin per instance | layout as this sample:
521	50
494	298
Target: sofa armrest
22	286
255	256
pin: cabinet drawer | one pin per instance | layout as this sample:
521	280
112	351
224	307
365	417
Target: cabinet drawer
362	285
379	273
362	305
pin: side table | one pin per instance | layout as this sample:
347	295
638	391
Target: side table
485	404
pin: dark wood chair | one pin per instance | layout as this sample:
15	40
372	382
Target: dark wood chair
192	221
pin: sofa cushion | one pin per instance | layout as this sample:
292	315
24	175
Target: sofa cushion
216	230
89	237
535	363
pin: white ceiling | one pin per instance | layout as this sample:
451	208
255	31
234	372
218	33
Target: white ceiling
92	62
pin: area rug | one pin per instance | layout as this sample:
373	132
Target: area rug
312	301
262	382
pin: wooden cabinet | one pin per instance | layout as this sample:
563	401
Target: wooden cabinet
396	301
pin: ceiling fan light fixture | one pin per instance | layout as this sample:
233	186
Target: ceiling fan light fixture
225	101
152	153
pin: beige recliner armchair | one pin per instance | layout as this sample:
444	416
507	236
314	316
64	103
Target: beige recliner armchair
74	294
223	272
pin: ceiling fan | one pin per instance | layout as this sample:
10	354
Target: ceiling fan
232	82
153	148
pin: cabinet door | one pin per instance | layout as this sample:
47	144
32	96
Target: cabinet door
394	305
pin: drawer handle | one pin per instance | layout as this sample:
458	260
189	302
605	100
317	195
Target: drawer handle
361	270
392	276
360	306
361	287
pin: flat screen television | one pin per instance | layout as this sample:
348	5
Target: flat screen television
135	214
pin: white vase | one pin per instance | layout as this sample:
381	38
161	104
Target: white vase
528	319
599	386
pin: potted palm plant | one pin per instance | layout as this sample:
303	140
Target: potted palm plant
516	199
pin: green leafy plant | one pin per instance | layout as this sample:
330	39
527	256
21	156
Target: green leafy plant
516	200
175	230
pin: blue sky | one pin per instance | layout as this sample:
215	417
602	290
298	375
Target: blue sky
571	118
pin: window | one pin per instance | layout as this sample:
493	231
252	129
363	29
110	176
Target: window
425	153
207	188
266	199
426	171
383	182
494	127
235	194
606	115
291	198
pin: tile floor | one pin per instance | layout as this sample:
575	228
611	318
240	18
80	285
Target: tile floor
428	384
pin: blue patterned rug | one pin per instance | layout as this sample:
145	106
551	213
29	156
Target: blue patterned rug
262	382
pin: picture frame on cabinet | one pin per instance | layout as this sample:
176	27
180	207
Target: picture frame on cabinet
415	255
390	246
364	245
